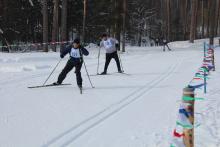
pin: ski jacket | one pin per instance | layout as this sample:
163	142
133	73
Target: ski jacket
76	54
110	45
165	42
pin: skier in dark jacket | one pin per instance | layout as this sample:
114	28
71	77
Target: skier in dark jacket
76	52
157	42
165	44
111	46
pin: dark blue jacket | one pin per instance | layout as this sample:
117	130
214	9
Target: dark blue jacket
67	50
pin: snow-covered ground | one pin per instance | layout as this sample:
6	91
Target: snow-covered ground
134	110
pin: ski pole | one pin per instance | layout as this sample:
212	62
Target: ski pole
52	72
88	74
120	62
98	61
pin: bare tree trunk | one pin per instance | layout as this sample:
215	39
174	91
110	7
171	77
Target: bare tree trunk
117	21
193	21
162	13
64	21
55	24
45	26
84	21
5	8
208	19
124	22
168	20
217	16
218	29
139	35
1	7
212	21
196	21
186	24
203	19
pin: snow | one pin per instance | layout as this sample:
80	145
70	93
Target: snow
31	3
135	110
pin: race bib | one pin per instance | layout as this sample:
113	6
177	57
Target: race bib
75	53
107	44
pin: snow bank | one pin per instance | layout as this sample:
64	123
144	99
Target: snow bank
198	44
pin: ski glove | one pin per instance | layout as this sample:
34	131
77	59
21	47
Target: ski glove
61	56
117	47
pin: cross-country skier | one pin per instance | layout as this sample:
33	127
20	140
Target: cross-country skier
111	45
157	42
165	44
76	52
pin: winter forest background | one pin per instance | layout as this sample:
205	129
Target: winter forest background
130	21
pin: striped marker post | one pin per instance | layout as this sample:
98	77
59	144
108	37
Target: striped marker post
188	137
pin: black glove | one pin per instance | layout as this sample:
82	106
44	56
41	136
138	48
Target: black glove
117	47
61	56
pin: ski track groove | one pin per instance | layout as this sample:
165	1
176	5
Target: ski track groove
122	104
212	112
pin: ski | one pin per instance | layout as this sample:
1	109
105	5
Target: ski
122	73
116	73
48	85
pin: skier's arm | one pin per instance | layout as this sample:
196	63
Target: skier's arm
101	44
117	45
84	51
65	51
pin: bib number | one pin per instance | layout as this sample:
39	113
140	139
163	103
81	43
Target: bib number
75	53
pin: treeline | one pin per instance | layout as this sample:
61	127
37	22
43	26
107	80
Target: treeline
62	20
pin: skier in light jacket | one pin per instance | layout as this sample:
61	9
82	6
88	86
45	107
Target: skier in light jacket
111	45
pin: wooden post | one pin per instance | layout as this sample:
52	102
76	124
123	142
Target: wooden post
213	58
188	138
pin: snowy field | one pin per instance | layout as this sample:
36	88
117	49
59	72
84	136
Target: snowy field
137	109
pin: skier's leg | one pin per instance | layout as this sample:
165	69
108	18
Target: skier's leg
69	66
168	47
78	74
117	61
107	61
164	47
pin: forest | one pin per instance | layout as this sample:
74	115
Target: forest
46	21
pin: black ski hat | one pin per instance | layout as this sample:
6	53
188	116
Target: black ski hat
77	41
104	35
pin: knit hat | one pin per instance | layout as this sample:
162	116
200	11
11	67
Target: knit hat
77	41
104	35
